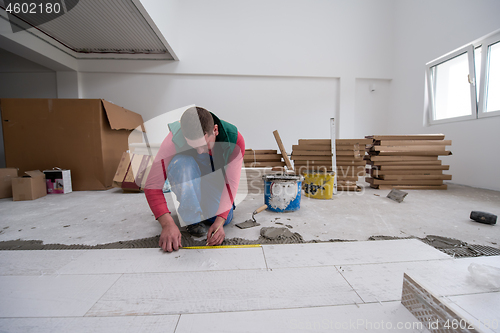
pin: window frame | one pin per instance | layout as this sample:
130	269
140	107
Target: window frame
469	50
487	42
478	103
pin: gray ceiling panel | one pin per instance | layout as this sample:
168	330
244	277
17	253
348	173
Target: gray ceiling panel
104	27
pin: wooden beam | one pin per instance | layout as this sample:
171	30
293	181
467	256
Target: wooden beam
407	137
283	151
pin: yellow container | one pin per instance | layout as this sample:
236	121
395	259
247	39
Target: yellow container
318	185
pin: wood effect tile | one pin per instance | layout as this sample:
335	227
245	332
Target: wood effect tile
221	291
349	253
129	324
383	282
36	262
365	317
157	261
51	295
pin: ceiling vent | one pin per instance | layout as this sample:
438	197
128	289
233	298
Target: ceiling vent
96	29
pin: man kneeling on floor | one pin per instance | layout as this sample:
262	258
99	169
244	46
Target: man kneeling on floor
202	157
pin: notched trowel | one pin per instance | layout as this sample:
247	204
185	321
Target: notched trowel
252	222
397	195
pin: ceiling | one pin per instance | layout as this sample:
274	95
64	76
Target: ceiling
97	29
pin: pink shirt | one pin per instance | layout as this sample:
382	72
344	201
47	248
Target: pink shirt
158	174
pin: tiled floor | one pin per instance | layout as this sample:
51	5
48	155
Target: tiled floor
275	288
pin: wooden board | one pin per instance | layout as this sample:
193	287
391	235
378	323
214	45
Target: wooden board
349	158
404	163
312	147
375	181
300	169
342	178
263	164
265	151
348	182
347	169
312	162
283	151
341	187
410	187
377	173
350	167
312	158
338	142
350	147
262	157
355	153
327	142
312	152
360	142
403	158
414	142
413	167
408	148
414	177
407	137
414	153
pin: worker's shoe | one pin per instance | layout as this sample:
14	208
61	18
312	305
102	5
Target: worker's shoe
197	230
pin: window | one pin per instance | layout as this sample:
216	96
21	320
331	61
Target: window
489	101
465	84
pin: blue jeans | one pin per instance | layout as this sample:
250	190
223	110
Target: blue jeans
197	188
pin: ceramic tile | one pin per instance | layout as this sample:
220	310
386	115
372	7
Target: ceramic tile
362	318
51	295
157	261
150	324
35	262
481	310
491	260
219	291
349	253
383	282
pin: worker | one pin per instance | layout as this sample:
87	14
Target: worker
202	158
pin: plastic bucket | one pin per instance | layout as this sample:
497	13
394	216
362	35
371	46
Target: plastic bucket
282	193
319	185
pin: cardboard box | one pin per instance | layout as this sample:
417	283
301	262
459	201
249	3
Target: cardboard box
133	171
6	175
58	181
29	187
86	136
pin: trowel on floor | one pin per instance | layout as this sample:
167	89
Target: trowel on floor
252	222
397	195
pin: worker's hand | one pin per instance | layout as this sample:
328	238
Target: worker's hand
218	237
170	237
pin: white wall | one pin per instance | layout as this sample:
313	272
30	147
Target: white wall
296	107
425	30
278	37
21	78
372	102
299	45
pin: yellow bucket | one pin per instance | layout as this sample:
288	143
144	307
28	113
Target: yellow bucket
318	185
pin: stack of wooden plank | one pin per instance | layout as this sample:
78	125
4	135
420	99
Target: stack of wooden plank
316	155
262	159
251	180
350	162
407	161
313	155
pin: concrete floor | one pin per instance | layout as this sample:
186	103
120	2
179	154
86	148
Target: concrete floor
99	217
